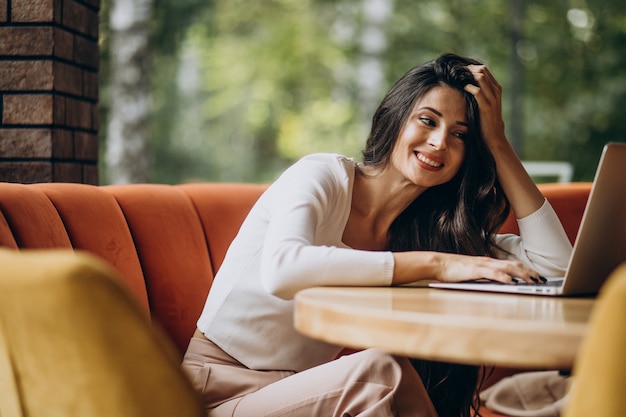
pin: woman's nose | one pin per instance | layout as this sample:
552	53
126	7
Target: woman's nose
438	139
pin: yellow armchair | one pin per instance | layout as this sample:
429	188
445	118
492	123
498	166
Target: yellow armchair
73	342
600	369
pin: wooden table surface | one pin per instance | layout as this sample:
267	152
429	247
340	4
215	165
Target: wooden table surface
521	331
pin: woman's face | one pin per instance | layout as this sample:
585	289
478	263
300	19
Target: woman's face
431	145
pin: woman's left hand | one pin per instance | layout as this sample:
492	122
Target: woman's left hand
523	194
488	95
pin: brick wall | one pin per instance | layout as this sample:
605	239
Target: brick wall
49	91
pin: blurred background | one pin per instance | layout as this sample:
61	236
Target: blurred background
237	90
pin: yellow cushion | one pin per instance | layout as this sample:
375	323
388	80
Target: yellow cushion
73	342
600	369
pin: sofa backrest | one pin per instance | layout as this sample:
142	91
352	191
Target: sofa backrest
166	241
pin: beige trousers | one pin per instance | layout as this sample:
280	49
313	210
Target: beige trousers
366	383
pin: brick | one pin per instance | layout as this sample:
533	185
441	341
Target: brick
78	17
63	44
86	52
25	143
91	85
93	27
86	146
57	10
62	144
90	174
77	113
71	16
59	111
32	11
95	117
68	78
3	10
26	41
26	172
26	76
67	172
27	109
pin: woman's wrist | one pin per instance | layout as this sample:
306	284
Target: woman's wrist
414	266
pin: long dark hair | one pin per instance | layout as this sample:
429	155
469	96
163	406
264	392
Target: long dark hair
452	388
461	216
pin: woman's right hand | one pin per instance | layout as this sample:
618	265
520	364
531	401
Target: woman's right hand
448	267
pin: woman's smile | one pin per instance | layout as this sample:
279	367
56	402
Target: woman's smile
429	161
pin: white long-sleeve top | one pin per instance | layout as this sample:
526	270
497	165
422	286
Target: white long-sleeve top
292	239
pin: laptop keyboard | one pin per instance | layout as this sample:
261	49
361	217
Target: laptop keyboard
549	283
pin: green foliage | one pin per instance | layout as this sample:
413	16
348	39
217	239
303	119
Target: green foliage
578	83
242	89
256	92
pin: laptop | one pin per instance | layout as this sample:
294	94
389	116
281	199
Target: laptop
600	244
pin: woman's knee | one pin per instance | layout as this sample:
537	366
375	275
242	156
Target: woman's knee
373	365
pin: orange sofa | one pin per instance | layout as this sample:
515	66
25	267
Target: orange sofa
166	242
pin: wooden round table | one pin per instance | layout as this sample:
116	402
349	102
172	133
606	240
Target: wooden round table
520	331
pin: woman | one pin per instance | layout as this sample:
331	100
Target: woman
437	180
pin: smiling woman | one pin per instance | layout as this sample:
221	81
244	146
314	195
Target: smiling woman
425	203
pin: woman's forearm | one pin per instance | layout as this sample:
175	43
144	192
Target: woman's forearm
520	189
448	267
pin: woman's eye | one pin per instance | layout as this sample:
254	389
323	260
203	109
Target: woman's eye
460	135
427	121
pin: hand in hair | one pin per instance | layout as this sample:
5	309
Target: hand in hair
488	95
524	196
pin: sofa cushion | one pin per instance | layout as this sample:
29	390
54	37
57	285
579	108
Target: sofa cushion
222	209
173	253
95	223
567	199
33	220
